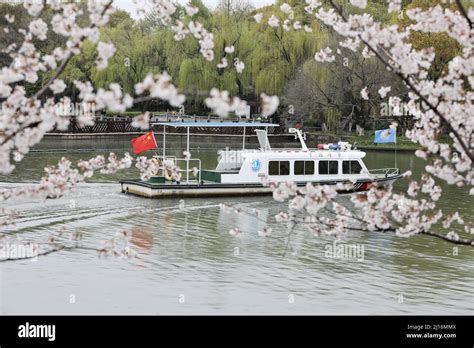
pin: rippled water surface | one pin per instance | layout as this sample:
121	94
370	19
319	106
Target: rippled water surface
187	262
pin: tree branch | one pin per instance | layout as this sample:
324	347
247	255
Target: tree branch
409	83
443	237
61	68
464	13
67	58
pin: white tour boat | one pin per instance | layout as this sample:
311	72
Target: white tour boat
248	171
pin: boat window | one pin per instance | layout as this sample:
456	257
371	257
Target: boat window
299	167
273	168
351	167
328	167
304	167
323	167
284	168
279	168
356	168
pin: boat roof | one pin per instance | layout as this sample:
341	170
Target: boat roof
216	124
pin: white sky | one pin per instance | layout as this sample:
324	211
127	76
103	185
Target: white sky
131	7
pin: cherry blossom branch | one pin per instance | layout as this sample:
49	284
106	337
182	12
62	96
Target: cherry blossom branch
58	72
31	125
461	241
57	243
64	177
37	123
69	56
410	84
464	13
345	215
294	222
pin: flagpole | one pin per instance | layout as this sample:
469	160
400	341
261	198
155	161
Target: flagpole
187	157
396	160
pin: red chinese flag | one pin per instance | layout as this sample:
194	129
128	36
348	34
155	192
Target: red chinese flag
144	142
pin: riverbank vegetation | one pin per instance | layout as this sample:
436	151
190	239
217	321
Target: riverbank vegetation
367	141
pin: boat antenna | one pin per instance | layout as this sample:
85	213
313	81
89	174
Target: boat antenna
300	137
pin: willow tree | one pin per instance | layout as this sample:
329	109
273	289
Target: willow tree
279	52
195	77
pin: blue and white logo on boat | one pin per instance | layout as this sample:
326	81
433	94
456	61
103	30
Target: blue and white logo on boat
256	165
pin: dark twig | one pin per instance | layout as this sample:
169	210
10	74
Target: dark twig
464	13
455	241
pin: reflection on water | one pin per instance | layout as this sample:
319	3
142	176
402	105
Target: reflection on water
142	239
184	251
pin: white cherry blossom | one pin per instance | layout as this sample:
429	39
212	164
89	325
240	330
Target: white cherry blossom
325	55
383	91
105	51
273	21
269	104
364	93
239	66
285	8
58	86
38	28
191	11
359	3
223	63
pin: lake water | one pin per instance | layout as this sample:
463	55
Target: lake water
187	262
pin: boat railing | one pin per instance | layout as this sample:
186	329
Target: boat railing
188	163
386	172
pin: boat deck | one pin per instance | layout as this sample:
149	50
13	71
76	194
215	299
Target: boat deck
192	189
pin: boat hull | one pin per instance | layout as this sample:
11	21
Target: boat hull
183	190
